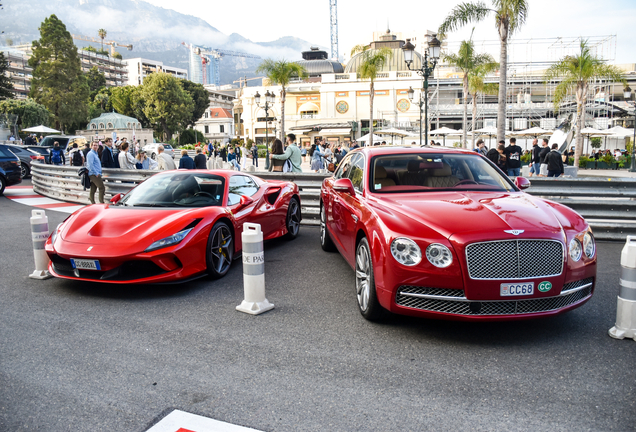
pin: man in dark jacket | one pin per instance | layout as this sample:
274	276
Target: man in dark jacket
513	158
200	160
186	161
545	149
108	161
555	162
535	166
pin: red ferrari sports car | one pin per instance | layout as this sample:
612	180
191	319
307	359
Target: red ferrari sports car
175	226
443	233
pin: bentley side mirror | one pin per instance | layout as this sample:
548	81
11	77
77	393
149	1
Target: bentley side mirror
522	182
344	185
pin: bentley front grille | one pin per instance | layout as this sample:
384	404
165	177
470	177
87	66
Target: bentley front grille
514	259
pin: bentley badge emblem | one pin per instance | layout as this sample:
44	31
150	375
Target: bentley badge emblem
514	232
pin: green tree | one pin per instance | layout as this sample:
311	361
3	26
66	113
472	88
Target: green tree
128	101
6	85
468	61
200	97
510	15
117	55
372	62
167	105
28	111
191	136
281	72
477	86
95	80
575	73
102	35
89	49
58	82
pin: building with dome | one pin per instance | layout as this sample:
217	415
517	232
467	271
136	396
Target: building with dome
112	124
316	62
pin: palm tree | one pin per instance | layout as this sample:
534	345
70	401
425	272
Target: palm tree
102	34
468	62
281	72
372	62
509	16
575	73
477	86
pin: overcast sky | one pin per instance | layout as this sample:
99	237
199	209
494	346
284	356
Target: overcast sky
263	21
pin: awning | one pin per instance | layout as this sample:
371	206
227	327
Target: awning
343	131
308	106
301	131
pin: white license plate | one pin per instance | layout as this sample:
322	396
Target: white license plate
83	264
517	289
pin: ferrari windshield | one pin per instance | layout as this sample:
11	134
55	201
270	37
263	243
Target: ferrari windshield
429	172
177	189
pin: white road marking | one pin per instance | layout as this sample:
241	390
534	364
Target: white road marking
181	420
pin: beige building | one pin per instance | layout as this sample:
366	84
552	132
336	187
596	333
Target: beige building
137	69
113	125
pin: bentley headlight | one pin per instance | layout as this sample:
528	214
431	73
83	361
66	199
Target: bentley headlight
589	245
575	249
439	255
406	251
169	241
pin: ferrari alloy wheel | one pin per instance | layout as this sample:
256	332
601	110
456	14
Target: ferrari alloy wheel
220	250
24	170
365	283
325	240
293	219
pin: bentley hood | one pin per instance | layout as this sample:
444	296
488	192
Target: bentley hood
450	213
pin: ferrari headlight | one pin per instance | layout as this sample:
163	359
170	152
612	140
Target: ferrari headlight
55	231
439	255
575	249
169	241
406	251
589	245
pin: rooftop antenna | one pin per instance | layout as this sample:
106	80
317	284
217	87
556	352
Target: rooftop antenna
333	13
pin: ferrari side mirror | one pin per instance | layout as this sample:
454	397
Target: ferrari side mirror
115	199
245	200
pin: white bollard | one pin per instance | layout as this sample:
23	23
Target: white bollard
626	308
253	271
39	234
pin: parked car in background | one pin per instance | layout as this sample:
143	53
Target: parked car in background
9	168
443	233
43	151
26	156
66	141
151	150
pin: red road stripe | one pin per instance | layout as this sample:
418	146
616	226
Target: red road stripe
56	205
19	187
184	430
24	196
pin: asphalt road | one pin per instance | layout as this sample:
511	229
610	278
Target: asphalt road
86	357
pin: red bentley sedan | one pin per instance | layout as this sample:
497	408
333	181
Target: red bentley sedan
443	233
175	226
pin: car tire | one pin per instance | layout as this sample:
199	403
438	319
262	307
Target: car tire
293	218
24	171
220	252
3	184
325	238
366	294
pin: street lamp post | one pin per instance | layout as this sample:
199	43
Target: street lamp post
627	92
420	103
269	102
425	71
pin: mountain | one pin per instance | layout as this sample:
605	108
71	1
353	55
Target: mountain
155	33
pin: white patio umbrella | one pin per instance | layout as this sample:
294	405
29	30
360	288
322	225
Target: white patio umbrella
40	129
589	132
486	131
443	131
533	132
392	133
365	138
620	132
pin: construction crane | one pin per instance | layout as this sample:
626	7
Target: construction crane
112	44
333	14
245	80
211	55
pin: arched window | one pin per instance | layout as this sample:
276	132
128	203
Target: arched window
128	125
110	125
101	125
93	126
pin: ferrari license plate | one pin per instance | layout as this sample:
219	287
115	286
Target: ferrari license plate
517	289
83	264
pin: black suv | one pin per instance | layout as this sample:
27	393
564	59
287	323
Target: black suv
10	172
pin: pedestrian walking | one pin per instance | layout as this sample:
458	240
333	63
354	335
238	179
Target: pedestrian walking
57	154
164	161
76	156
535	161
95	174
276	165
255	155
513	158
292	153
199	159
186	162
126	160
555	162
